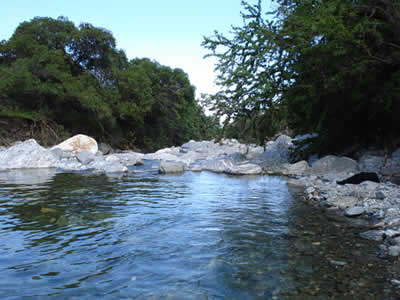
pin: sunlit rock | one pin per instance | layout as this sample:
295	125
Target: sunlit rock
216	165
27	154
78	143
85	157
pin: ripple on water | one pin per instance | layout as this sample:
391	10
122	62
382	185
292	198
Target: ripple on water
190	236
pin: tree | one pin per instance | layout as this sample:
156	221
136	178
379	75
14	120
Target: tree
328	67
77	78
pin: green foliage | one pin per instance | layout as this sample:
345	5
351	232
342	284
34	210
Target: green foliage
75	76
6	111
329	67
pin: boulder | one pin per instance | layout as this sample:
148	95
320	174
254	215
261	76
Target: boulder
85	157
276	153
78	143
334	164
244	169
127	158
253	151
216	165
110	166
27	154
171	167
371	163
105	148
297	169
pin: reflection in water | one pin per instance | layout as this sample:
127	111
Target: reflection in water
190	236
28	177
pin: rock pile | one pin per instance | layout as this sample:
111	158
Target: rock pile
377	202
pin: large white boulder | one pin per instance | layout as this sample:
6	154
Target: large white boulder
25	155
77	144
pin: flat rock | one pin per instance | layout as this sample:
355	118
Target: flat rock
298	169
343	201
244	169
171	167
354	211
373	235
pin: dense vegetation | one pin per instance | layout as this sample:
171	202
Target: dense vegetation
330	67
70	80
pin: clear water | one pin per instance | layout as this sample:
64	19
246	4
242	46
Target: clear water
190	236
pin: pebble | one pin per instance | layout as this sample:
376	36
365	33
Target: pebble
395	282
45	210
338	262
377	202
394	250
354	211
380	195
373	235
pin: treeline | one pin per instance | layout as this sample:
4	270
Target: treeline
328	67
56	73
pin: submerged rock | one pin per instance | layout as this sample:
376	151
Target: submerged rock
374	235
343	201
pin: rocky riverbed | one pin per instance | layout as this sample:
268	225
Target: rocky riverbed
376	205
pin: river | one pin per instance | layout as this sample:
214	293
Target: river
191	236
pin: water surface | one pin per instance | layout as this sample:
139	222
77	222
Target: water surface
190	236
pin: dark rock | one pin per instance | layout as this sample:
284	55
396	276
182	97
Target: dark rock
380	195
394	179
105	148
360	177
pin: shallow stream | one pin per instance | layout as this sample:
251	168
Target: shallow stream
191	236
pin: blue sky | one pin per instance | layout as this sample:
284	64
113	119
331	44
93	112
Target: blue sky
168	31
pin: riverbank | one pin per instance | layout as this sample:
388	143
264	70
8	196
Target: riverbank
376	204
